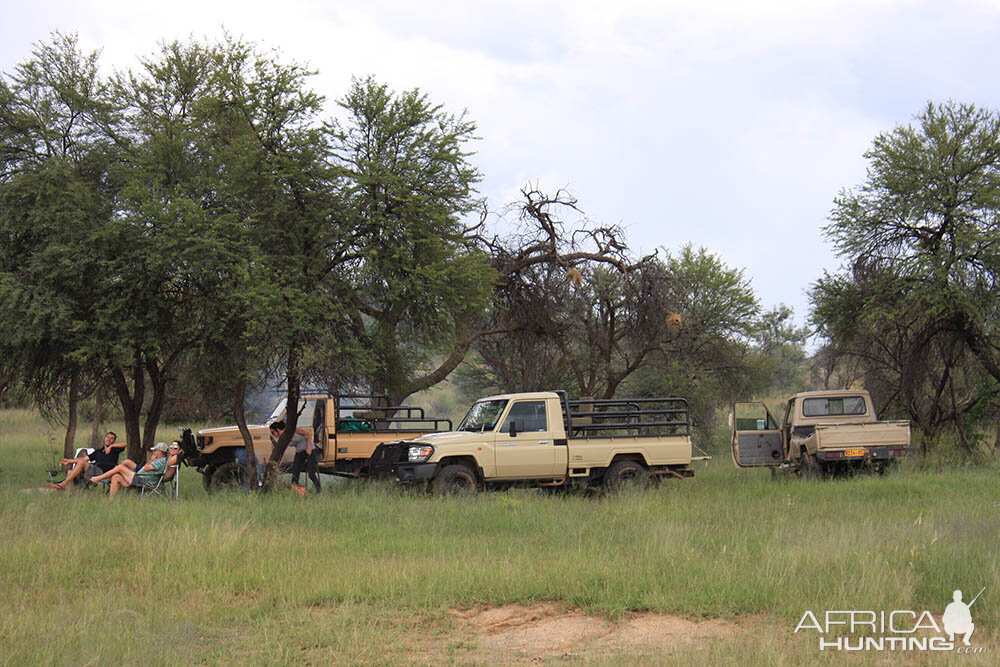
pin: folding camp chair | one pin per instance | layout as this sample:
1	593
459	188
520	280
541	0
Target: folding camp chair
166	485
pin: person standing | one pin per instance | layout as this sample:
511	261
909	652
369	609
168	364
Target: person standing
305	453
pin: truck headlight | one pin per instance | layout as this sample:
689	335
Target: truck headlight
420	453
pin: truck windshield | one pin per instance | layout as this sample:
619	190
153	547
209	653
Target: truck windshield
483	416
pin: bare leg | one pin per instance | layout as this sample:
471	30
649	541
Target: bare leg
78	469
127	468
119	481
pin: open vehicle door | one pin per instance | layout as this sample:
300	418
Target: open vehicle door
757	440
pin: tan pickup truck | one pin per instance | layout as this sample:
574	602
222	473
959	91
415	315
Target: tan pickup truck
822	432
346	428
544	439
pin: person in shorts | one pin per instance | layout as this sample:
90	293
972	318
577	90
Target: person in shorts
131	474
92	462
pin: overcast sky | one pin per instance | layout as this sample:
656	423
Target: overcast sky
729	125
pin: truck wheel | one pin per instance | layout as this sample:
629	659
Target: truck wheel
626	475
808	466
455	480
228	477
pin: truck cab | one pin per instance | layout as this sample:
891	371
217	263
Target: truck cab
821	431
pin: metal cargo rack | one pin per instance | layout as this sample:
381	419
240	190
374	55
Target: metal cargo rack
392	418
625	418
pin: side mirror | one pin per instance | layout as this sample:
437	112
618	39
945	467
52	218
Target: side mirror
513	429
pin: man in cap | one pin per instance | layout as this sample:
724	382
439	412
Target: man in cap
130	474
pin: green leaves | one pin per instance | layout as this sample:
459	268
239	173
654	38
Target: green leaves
407	183
922	238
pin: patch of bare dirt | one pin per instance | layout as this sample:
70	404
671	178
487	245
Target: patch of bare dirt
546	630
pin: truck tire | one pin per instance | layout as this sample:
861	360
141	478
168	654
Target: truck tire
808	466
455	480
228	477
625	475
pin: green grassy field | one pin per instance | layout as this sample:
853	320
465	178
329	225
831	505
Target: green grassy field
369	574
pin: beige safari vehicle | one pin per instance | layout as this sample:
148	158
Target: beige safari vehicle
543	439
346	428
822	432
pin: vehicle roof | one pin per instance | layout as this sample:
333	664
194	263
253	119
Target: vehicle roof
833	393
529	394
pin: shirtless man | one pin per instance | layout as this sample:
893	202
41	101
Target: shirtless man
103	459
130	473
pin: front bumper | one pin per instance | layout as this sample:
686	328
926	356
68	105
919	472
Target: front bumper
414	473
872	454
389	461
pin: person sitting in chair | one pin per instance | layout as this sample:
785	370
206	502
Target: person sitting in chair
130	474
96	462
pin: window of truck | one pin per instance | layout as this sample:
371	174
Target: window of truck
753	417
529	415
834	407
483	415
306	408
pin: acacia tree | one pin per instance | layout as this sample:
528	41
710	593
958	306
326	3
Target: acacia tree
232	173
589	328
919	303
681	325
715	354
55	198
413	283
553	286
422	285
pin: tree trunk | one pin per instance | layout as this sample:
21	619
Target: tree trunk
131	402
95	429
239	414
3	386
69	444
293	379
158	382
399	389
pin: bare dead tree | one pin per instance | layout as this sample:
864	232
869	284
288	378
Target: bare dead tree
541	243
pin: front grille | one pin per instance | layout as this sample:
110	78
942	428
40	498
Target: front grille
386	456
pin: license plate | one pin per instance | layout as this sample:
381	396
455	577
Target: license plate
855	452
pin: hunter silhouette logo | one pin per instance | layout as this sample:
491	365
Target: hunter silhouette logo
958	619
896	630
